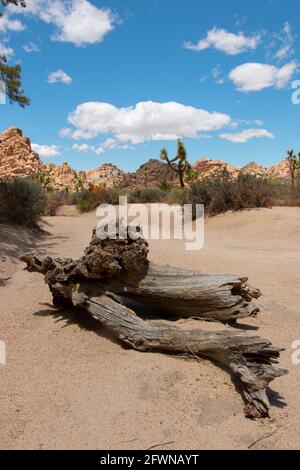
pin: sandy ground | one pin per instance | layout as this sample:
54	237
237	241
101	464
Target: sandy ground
68	384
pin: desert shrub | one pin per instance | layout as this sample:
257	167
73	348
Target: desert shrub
146	195
72	198
201	191
218	194
223	194
112	195
284	195
22	201
87	201
57	199
91	198
249	191
179	196
164	185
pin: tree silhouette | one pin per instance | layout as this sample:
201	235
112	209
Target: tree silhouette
179	163
10	75
294	167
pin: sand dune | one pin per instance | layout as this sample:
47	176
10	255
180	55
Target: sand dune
68	384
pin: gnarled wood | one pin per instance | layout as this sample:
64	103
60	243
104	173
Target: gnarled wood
186	293
111	270
249	358
174	292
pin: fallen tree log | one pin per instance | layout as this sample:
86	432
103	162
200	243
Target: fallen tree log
122	266
249	358
113	269
185	293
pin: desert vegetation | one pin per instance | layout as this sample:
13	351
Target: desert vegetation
294	168
10	75
22	201
218	194
179	164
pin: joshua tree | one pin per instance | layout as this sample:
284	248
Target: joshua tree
146	178
179	163
294	167
10	75
191	175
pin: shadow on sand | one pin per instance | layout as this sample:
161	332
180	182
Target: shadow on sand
16	240
71	316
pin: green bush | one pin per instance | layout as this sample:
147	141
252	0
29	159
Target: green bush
284	193
87	201
22	201
179	196
218	194
91	198
146	195
223	194
165	185
85	205
57	199
249	191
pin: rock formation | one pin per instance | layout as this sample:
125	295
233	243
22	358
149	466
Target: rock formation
254	168
18	159
279	171
149	175
209	168
16	155
61	177
107	174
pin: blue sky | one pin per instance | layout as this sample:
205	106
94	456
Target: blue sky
115	81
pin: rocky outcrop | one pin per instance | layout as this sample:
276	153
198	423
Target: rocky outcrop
61	178
107	174
150	174
255	169
18	159
16	156
209	168
279	171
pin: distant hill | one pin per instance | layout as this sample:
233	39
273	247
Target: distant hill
18	159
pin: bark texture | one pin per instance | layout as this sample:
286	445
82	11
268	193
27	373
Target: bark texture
112	270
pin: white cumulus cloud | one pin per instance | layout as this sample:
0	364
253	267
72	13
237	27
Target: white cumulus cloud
83	148
59	76
6	24
224	41
108	144
144	122
46	150
244	136
255	77
76	21
65	132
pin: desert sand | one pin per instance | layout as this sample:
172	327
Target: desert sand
68	384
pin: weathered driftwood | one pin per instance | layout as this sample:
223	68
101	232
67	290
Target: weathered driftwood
122	265
113	269
249	358
184	293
